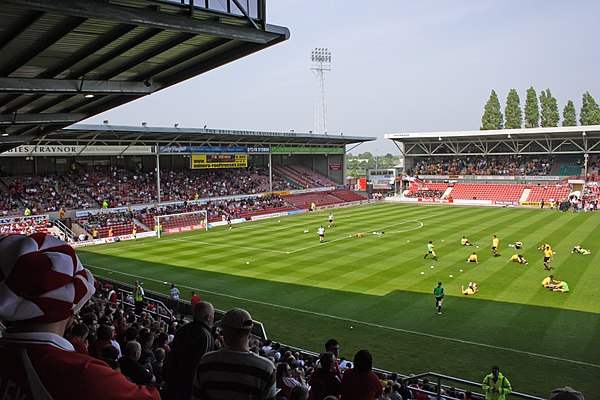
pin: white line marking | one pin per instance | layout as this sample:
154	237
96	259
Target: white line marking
428	335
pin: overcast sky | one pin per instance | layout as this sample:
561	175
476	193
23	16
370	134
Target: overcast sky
397	66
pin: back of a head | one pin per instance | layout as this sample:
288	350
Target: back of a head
132	349
566	393
104	332
363	361
327	360
299	393
203	311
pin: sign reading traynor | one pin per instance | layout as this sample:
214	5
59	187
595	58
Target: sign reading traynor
72	150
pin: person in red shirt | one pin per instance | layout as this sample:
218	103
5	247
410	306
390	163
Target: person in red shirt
324	381
360	382
45	285
195	299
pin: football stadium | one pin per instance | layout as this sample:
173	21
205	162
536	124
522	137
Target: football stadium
168	219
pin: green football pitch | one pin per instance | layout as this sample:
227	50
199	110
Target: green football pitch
375	291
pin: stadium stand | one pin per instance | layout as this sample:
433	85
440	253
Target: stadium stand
548	193
497	192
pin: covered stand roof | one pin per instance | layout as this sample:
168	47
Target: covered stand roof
543	141
62	61
106	135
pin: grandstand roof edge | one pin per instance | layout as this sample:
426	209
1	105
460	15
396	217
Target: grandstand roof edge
222	133
499	132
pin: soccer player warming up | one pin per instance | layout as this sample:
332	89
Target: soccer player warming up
321	233
330	218
465	242
430	251
438	292
495	245
549	282
579	250
471	289
548	256
473	258
518	258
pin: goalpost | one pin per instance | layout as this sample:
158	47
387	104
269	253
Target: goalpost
181	222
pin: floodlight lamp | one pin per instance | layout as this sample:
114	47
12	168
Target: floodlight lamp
440	138
509	136
583	133
105	122
176	125
88	96
4	134
144	124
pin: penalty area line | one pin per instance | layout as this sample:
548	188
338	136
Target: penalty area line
373	325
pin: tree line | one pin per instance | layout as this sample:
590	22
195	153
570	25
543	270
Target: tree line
544	113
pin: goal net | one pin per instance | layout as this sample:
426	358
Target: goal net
182	222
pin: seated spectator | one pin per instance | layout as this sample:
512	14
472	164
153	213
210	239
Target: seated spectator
78	338
324	381
360	382
286	381
299	393
33	344
131	368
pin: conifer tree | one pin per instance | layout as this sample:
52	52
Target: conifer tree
492	115
590	112
569	115
513	116
549	109
532	112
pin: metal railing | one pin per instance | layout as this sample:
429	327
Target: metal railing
441	382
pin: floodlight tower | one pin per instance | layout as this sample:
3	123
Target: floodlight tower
321	62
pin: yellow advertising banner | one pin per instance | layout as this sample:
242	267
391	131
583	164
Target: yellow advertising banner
210	161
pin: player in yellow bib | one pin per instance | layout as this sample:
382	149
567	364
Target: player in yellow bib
495	245
518	258
473	258
548	256
471	289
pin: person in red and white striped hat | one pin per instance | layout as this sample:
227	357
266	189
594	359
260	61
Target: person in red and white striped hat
42	286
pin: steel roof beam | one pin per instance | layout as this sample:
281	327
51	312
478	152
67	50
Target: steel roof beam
49	86
59	118
149	18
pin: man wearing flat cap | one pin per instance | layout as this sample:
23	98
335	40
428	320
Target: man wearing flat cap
495	385
42	286
234	372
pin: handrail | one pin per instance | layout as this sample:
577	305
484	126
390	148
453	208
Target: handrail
440	377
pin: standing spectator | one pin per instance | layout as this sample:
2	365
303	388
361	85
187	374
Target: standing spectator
324	381
495	385
34	357
361	383
174	296
234	371
138	297
195	299
191	342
